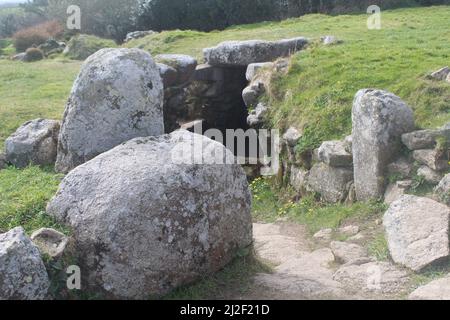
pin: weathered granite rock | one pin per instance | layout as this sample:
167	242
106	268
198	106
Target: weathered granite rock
22	272
256	117
330	182
155	213
373	277
253	69
395	190
433	158
417	231
184	65
292	136
243	53
19	57
252	93
107	108
345	252
35	142
168	75
349	230
348	144
330	40
50	242
429	175
379	120
324	234
298	178
440	74
443	190
401	167
424	139
138	34
435	290
334	154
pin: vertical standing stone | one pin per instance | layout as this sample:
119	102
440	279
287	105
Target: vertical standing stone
379	120
117	96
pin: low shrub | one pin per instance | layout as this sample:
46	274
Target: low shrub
36	35
34	54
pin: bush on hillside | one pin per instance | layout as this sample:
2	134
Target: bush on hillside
36	35
33	54
80	47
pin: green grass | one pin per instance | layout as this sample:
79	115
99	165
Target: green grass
23	198
30	91
378	247
271	202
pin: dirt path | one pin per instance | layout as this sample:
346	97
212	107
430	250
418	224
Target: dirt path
301	273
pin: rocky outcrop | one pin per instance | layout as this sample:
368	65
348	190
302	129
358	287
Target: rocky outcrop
106	108
35	142
417	231
299	178
22	272
379	120
243	53
155	213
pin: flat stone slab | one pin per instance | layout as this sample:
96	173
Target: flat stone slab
243	53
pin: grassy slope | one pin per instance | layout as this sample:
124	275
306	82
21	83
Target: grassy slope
318	92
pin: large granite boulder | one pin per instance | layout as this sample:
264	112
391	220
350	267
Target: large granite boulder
331	183
379	120
155	213
117	96
35	142
417	231
22	272
243	53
